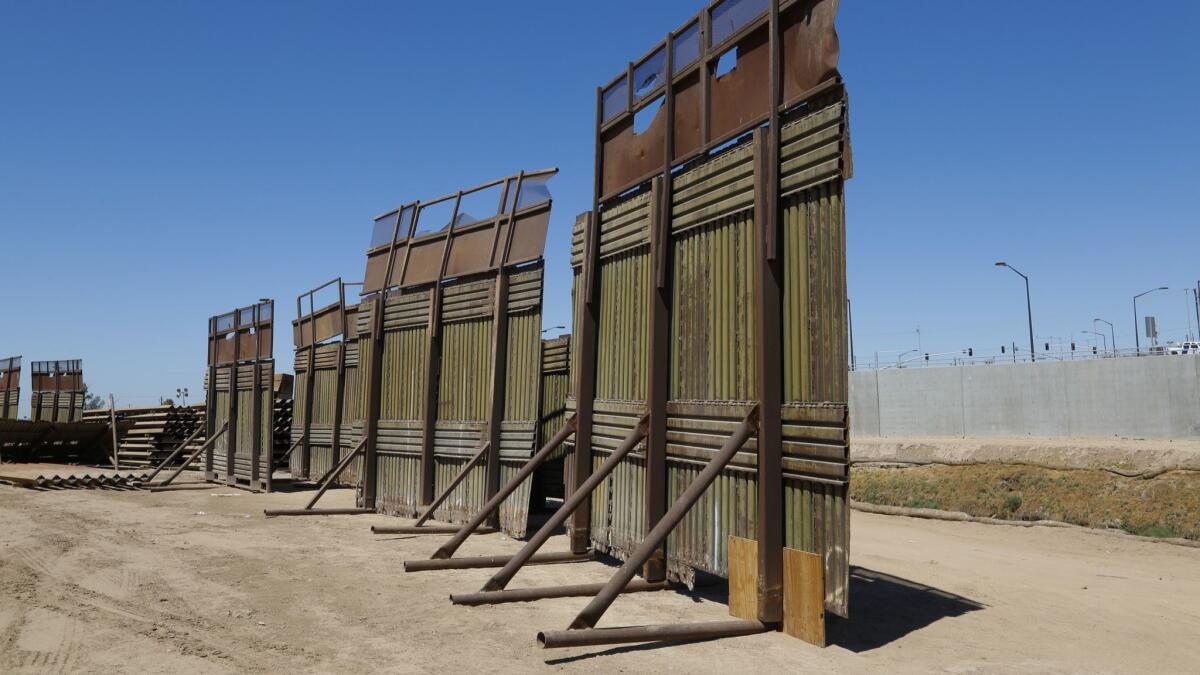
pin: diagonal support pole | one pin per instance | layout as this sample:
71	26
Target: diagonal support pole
295	444
192	458
591	614
447	549
462	475
178	451
333	473
500	580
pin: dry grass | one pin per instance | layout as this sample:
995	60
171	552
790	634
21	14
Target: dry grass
1166	506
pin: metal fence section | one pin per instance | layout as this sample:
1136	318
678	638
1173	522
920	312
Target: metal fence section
327	408
709	291
449	333
10	387
58	391
239	388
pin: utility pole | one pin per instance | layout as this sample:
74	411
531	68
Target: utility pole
1112	333
1137	340
1028	311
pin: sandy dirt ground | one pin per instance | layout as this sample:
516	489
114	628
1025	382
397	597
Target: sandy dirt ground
198	581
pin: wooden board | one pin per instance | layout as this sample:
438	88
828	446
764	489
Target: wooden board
743	578
803	595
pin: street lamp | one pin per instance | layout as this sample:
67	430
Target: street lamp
1102	337
1137	340
1111	332
1028	309
547	330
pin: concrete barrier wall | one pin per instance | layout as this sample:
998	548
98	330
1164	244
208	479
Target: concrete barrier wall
1149	397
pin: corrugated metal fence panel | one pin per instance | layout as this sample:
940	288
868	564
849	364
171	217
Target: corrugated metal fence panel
465	388
618	507
713	361
525	290
712	312
814	240
403	384
220	415
300	394
468	300
524	366
623	342
324	410
399	467
403	310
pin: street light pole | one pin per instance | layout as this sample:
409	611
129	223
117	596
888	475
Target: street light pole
1028	309
1112	333
1102	337
1137	340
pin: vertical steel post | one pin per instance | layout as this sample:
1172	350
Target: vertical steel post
370	437
579	527
769	298
309	384
660	359
499	380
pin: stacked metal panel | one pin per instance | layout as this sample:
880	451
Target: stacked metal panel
450	323
58	391
155	432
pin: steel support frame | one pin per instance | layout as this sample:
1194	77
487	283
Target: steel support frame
450	546
769	318
590	615
576	499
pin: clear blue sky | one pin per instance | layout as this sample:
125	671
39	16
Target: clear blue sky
164	161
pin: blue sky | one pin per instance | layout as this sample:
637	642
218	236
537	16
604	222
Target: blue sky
161	162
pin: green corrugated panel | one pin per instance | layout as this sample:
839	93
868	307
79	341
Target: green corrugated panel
403	386
623	342
465	387
815	295
712	315
524	366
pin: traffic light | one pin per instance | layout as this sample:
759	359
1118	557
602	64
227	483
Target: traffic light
926	356
1072	345
970	351
1093	349
1001	349
1047	346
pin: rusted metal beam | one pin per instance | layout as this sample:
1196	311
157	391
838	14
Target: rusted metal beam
447	549
579	527
348	511
577	498
370	433
657	392
769	362
590	614
462	475
679	632
546	592
498	386
492	561
425	529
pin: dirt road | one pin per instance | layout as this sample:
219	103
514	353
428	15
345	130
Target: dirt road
198	581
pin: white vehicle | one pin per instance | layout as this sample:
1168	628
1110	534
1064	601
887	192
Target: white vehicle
1184	348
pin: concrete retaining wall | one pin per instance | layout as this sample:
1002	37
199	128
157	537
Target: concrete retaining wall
1149	397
